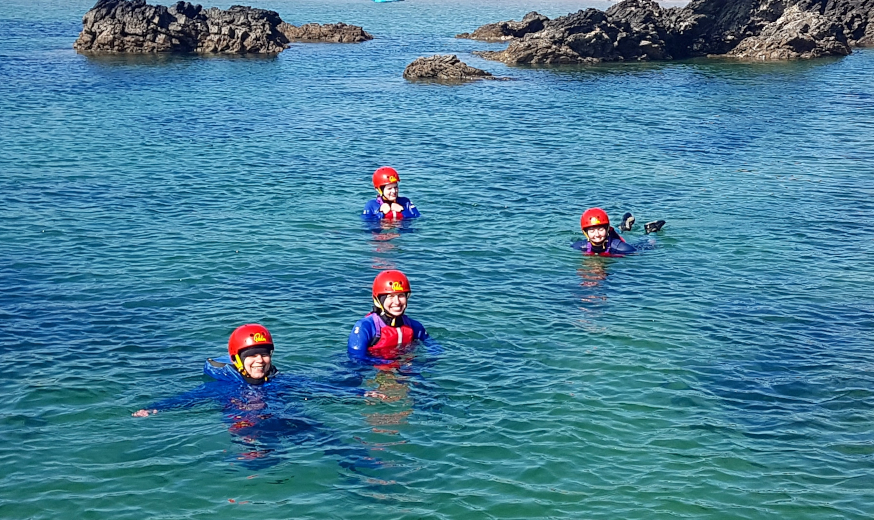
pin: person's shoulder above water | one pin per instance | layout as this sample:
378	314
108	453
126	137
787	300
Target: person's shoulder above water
221	368
387	332
388	205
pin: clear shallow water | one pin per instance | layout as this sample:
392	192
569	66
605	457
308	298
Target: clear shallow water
150	204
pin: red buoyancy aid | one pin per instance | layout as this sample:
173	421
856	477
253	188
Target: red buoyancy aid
391	215
393	341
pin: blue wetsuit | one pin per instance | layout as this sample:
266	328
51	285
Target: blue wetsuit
369	339
265	418
614	245
371	210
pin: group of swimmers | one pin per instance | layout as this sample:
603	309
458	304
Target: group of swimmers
386	333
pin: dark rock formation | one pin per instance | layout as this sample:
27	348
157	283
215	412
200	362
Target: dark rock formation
501	31
132	26
444	68
631	30
643	30
329	32
795	35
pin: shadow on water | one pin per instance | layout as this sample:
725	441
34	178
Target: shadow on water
723	67
165	59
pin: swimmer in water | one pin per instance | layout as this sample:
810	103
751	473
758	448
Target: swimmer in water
388	205
260	404
602	239
387	332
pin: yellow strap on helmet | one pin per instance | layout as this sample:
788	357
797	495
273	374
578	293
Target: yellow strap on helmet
238	362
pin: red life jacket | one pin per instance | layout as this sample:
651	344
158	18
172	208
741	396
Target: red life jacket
391	215
393	341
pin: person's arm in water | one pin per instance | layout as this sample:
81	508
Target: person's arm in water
320	388
204	392
420	334
580	245
620	247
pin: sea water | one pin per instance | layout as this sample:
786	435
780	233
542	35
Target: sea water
150	204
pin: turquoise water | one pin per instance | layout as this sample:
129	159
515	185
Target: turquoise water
148	205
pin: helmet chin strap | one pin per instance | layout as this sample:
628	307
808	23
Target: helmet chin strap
377	304
607	234
238	362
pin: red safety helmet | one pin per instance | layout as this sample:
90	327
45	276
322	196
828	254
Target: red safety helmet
389	282
248	336
383	176
594	217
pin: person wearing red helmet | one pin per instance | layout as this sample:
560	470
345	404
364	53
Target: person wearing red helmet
602	239
387	332
388	205
249	362
260	405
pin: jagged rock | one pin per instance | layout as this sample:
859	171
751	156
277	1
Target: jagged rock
592	36
853	15
501	31
133	26
643	30
795	35
136	27
444	68
329	32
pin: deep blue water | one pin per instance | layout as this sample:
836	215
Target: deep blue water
149	205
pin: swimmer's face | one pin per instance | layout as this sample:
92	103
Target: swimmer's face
395	303
257	366
390	191
597	234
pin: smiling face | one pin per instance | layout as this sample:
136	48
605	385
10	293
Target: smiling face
395	303
596	234
258	365
390	192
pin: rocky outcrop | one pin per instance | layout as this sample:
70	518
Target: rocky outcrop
854	16
502	31
447	68
643	30
329	32
136	27
795	35
632	30
133	26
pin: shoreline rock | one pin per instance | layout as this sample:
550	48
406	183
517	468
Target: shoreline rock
642	30
329	32
503	31
795	35
446	68
133	26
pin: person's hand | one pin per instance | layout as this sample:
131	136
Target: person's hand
385	208
143	413
378	395
396	207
